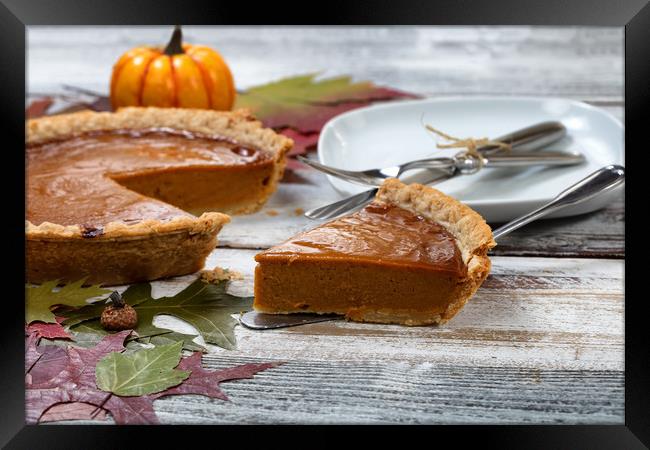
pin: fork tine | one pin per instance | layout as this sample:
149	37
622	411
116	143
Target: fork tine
348	175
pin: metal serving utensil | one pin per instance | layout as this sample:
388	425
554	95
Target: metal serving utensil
460	164
530	138
602	180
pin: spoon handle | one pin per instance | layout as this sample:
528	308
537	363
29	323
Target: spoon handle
600	181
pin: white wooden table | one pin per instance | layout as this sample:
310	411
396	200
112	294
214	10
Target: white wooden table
541	342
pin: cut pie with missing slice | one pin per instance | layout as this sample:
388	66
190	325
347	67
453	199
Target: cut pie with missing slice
414	257
115	196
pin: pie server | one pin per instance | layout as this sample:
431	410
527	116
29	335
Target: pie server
602	180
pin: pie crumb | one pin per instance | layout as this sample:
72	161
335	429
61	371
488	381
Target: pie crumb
272	212
220	274
298	211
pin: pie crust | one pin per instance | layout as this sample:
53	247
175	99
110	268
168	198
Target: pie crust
473	235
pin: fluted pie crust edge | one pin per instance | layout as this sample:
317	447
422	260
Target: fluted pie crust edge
473	235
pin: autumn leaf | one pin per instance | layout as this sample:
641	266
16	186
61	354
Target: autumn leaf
57	376
144	372
73	411
206	382
41	299
206	306
133	295
88	333
75	382
49	330
51	362
306	104
38	107
171	337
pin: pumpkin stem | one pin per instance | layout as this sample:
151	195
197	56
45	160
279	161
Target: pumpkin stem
174	46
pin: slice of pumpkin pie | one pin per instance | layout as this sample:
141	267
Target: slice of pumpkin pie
414	256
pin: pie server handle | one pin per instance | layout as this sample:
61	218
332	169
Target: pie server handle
602	180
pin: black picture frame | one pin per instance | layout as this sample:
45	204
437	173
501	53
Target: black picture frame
15	15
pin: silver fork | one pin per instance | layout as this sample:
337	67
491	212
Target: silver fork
530	138
461	163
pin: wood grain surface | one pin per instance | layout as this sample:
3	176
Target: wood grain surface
543	339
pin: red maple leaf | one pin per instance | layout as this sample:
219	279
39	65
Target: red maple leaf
73	411
38	107
206	382
67	376
49	330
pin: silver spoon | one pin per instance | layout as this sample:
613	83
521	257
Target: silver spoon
602	180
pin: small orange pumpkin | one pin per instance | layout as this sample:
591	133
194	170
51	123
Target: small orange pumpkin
181	75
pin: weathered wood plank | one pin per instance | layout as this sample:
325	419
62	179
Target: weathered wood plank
583	63
381	392
600	234
371	392
597	234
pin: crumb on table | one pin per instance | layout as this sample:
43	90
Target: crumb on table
272	212
220	274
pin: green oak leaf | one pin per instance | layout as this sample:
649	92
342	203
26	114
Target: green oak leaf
134	295
90	332
41	299
143	372
205	306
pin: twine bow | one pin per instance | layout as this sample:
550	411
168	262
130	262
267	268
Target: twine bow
471	144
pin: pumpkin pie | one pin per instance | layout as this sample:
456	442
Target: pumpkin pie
414	256
141	193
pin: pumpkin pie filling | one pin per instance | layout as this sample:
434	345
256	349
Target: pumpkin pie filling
382	235
82	179
391	262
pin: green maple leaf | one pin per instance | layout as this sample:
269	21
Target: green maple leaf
41	299
305	104
140	373
205	306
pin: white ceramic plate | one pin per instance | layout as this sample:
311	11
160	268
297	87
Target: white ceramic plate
392	133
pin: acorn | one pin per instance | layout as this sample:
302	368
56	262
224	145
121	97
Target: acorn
118	315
